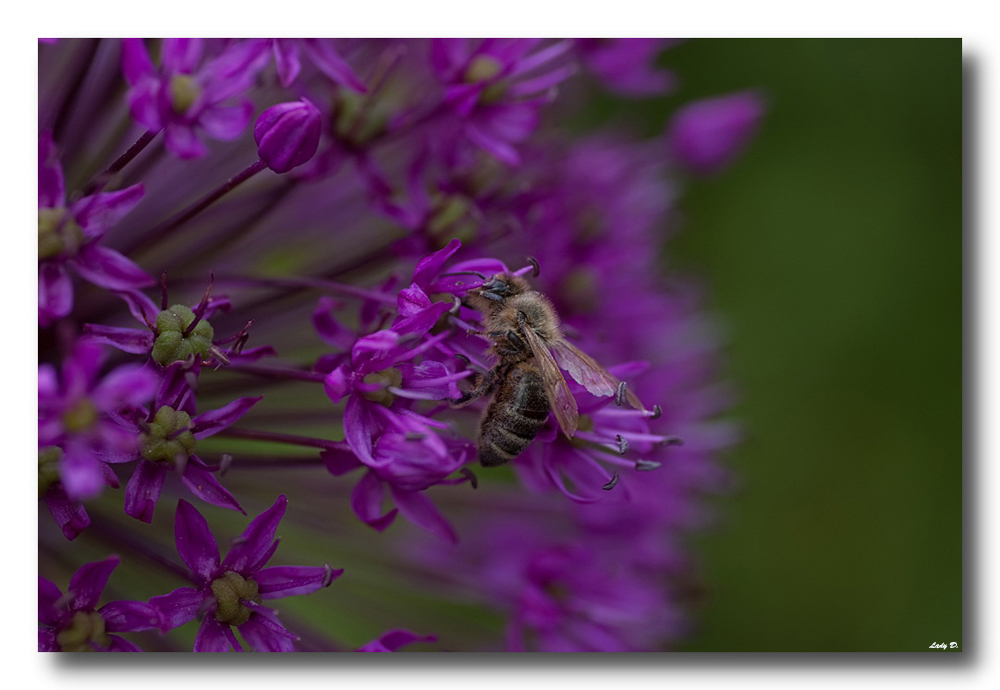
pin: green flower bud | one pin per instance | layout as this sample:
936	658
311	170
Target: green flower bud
86	627
230	591
169	436
171	345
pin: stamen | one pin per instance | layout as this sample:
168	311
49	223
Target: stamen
163	292
611	484
473	479
622	444
199	311
620	393
657	412
646	465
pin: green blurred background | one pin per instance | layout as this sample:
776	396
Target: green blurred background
833	252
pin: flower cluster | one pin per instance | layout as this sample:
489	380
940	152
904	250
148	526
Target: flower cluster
333	214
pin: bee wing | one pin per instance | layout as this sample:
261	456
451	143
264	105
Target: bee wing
588	373
560	399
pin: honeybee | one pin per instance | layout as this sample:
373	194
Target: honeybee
526	381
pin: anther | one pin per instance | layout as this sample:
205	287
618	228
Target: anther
646	465
225	462
622	444
672	441
611	484
657	412
620	393
473	479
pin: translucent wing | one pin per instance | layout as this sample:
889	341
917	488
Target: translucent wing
560	399
588	373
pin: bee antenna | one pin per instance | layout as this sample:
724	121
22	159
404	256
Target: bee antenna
536	269
612	483
473	479
465	273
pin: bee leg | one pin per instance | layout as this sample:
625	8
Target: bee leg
516	341
484	385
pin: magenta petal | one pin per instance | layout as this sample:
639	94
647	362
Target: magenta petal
214	421
500	150
287	580
97	213
125	616
419	510
69	515
205	486
708	135
394	639
339	462
143	104
430	266
48	595
195	542
366	501
179	607
51	188
129	340
181	54
213	636
107	268
286	60
358	430
329	62
262	639
136	63
47	640
143	309
256	539
128	385
183	143
143	490
80	472
226	122
120	644
89	581
55	293
337	383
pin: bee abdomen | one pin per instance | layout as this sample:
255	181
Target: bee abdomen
513	418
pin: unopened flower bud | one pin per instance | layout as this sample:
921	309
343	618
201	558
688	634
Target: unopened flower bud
287	135
708	135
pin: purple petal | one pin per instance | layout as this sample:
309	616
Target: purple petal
234	71
329	62
412	300
120	644
195	542
339	462
126	616
205	486
422	322
143	309
80	472
95	214
55	293
429	267
179	607
80	370
337	383
89	581
143	104
256	540
419	510
181	55
328	328
226	122
47	640
129	340
136	63
286	60
499	149
48	595
262	639
107	268
394	639
69	515
358	429
129	385
288	580
366	501
143	490
213	636
708	135
183	143
51	188
214	421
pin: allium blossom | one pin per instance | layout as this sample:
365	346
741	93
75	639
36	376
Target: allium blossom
80	413
229	594
72	622
187	94
70	236
288	54
708	135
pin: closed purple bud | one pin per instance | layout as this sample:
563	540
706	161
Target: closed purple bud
287	135
708	135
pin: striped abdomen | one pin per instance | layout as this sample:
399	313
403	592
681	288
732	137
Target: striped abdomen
517	412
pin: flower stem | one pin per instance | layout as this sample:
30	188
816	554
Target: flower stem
229	185
276	437
267	372
134	150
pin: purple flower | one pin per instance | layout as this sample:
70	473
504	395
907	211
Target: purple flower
80	412
71	622
321	53
168	434
69	237
185	95
627	66
393	640
230	594
708	135
287	135
497	86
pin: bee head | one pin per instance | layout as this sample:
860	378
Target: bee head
501	287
